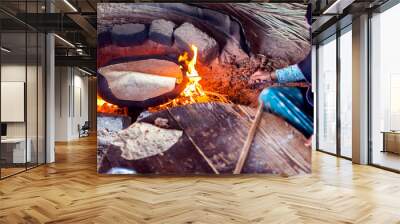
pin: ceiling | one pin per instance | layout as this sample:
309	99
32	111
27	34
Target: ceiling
331	15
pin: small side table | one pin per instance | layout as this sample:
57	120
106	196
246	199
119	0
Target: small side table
16	154
391	141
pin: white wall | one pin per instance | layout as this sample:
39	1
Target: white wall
80	110
61	103
12	73
71	102
314	90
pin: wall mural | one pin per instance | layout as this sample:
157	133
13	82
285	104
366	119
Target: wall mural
210	88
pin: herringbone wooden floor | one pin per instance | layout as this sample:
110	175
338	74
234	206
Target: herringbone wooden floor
70	191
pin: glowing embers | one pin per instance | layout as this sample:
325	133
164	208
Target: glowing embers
108	108
193	92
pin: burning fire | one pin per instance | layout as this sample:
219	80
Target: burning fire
193	92
106	107
193	88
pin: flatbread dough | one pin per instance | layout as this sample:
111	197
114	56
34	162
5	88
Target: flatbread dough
142	140
137	86
148	66
143	79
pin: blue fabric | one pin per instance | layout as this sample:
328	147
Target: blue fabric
289	74
299	72
305	67
290	104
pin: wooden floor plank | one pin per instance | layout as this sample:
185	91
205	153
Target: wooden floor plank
70	191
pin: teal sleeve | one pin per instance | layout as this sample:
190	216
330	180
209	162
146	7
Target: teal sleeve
289	74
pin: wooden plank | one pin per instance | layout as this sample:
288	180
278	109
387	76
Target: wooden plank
277	148
199	150
221	130
217	129
214	135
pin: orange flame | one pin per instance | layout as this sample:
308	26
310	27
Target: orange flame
106	107
193	92
193	89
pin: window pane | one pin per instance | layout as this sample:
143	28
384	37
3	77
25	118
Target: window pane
346	94
23	82
327	96
41	98
13	85
385	114
31	97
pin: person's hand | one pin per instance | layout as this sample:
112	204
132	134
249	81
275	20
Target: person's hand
308	142
262	77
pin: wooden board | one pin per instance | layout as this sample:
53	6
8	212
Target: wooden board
70	191
214	135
